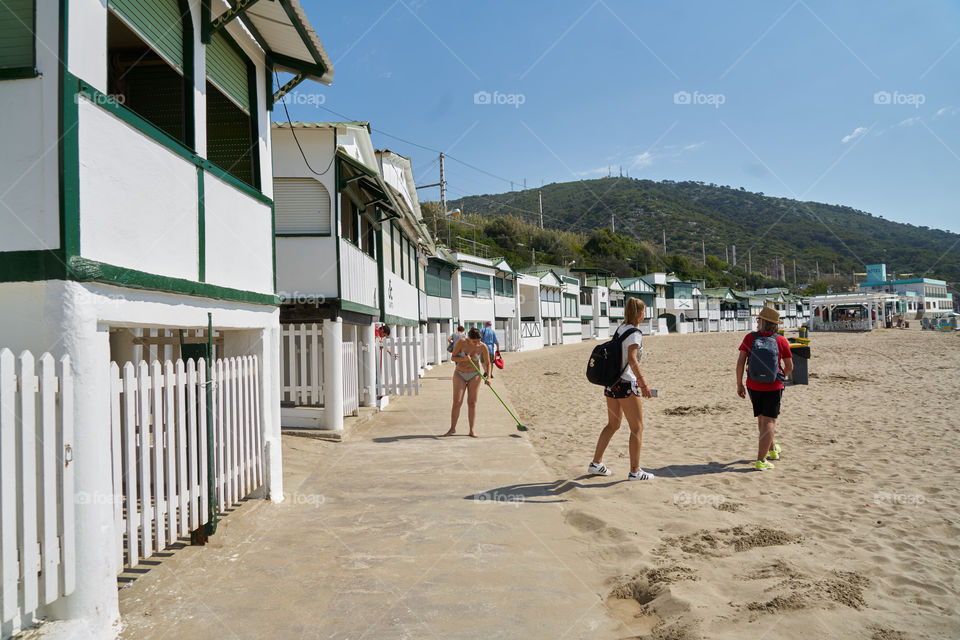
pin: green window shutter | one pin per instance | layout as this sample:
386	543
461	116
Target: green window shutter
16	34
227	70
158	22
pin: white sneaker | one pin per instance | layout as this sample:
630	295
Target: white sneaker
640	475
598	469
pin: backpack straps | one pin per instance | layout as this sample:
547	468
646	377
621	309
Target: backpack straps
620	338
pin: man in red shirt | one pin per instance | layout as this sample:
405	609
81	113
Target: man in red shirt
765	391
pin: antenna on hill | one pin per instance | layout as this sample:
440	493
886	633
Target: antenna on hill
540	204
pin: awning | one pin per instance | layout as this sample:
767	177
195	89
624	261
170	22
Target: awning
281	29
370	182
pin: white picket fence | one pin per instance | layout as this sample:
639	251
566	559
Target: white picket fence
399	375
302	364
160	440
37	554
351	379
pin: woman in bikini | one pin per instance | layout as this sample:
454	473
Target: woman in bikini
468	353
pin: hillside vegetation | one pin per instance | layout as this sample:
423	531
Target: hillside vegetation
698	218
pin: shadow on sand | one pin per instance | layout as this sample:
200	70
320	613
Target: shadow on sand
687	470
538	492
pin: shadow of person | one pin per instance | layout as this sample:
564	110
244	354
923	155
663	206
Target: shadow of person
538	492
411	437
703	469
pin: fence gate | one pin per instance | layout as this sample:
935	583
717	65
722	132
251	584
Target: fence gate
398	363
37	554
351	379
160	440
301	364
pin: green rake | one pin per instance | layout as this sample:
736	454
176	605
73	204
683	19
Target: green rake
520	425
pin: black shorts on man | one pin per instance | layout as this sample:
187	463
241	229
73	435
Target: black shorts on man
766	403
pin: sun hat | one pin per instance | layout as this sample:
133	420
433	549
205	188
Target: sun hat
770	315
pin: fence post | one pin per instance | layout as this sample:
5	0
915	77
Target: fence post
438	349
333	373
369	366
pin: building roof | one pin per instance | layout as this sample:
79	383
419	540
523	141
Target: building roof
288	40
296	124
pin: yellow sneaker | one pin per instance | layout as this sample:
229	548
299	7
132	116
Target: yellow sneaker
763	464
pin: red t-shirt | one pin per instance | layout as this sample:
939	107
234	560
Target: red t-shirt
784	353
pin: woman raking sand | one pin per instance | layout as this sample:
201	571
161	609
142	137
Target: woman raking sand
468	353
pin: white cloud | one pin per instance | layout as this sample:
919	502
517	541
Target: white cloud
644	159
694	146
946	111
859	131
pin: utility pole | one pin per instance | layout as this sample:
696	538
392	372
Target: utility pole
749	261
818	269
443	190
613	227
794	272
540	203
703	248
524	184
726	254
734	255
664	242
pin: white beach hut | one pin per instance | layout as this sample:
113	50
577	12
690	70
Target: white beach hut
138	211
529	310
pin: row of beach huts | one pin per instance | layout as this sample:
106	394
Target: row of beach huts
180	276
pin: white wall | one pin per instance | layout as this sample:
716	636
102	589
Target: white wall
400	297
299	270
505	306
30	210
238	238
439	308
138	199
475	309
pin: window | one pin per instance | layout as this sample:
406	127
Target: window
145	62
411	263
367	241
231	131
432	283
446	285
570	308
348	219
302	206
17	46
603	308
503	286
474	284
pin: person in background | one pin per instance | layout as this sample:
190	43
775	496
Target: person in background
623	397
489	337
455	337
768	363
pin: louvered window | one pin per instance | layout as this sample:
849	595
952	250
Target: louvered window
302	206
231	134
17	48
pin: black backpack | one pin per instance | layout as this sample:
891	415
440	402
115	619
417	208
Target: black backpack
763	365
605	366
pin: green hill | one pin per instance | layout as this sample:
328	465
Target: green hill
695	216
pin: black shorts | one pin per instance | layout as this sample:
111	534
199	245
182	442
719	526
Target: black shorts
619	390
766	403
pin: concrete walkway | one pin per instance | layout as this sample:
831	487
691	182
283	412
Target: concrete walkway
393	533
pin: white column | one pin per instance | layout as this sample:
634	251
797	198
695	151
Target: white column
333	374
75	331
270	380
368	364
391	361
424	336
439	347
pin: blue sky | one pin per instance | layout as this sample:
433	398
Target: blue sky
854	103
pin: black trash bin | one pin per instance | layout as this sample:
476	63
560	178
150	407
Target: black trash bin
801	358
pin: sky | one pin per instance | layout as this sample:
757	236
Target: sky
854	103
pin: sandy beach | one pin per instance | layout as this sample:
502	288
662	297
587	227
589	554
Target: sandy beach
855	534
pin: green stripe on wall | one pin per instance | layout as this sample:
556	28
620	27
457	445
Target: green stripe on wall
158	22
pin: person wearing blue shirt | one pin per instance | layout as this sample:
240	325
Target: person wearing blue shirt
489	337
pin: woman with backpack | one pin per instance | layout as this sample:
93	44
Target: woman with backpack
762	351
623	397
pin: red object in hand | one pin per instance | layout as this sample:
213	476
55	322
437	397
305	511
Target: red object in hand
498	360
